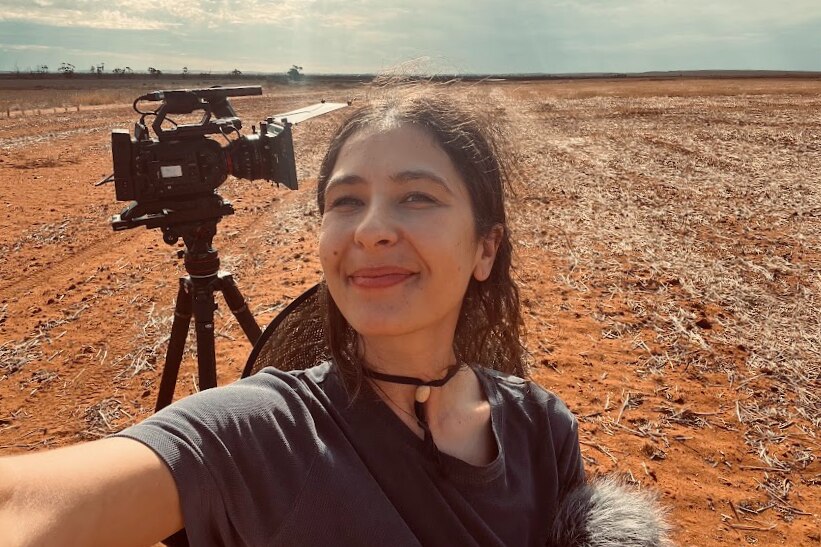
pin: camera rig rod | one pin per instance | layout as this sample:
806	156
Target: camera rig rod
212	101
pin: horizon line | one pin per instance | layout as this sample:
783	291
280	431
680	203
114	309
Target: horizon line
473	75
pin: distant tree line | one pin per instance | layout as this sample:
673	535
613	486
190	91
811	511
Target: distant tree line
68	70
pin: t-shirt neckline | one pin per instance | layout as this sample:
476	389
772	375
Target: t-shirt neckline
455	469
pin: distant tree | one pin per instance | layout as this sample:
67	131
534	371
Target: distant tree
127	70
42	69
66	69
156	72
236	72
184	71
100	68
294	72
93	69
118	71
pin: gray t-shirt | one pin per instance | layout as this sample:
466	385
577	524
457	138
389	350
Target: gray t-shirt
284	458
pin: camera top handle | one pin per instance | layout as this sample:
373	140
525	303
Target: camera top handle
212	101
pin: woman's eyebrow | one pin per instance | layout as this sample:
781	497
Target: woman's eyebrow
417	174
401	177
343	180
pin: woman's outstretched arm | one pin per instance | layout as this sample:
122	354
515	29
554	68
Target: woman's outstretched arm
113	491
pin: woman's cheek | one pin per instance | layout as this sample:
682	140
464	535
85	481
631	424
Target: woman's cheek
329	248
324	245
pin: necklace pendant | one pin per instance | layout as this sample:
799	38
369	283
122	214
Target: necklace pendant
422	394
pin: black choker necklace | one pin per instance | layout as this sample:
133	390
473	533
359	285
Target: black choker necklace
420	397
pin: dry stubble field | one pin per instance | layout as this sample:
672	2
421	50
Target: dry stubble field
669	257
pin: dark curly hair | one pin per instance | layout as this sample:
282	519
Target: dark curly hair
490	324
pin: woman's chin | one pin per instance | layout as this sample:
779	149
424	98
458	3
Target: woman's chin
376	328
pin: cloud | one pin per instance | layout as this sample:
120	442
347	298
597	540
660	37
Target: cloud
152	14
724	13
25	47
212	14
100	17
470	35
668	41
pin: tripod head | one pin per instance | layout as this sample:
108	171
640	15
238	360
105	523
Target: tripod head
173	216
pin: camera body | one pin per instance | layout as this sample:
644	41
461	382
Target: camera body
151	170
183	164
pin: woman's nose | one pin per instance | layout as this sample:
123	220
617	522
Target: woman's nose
377	227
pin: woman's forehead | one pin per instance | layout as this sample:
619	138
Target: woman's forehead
394	148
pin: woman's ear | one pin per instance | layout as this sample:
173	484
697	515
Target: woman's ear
488	246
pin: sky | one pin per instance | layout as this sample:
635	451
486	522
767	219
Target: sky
368	36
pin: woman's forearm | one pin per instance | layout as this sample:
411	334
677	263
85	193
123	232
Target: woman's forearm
109	492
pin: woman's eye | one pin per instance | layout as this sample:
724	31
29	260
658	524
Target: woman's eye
418	197
344	201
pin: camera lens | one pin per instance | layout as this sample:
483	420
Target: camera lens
247	161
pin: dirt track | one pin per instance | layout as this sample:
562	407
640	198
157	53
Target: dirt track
669	257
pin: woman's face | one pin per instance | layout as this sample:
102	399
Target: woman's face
398	244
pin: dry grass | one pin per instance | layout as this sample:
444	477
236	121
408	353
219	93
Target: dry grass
648	88
41	235
154	332
27	96
151	341
30	95
698	216
101	419
670	268
14	356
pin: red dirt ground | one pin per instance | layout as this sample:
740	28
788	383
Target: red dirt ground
668	254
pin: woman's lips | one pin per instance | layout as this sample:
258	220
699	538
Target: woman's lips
379	278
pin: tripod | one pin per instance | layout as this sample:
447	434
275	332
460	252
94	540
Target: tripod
196	294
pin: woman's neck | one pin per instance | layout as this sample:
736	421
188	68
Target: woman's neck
415	356
421	358
457	415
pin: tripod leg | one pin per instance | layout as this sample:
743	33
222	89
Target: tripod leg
204	307
239	308
176	345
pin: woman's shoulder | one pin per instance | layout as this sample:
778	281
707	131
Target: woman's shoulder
307	385
526	395
262	396
318	374
286	405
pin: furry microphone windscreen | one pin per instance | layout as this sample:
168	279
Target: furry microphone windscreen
606	513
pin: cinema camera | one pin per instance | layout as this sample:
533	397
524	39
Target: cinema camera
171	182
173	178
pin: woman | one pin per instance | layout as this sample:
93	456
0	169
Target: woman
405	438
